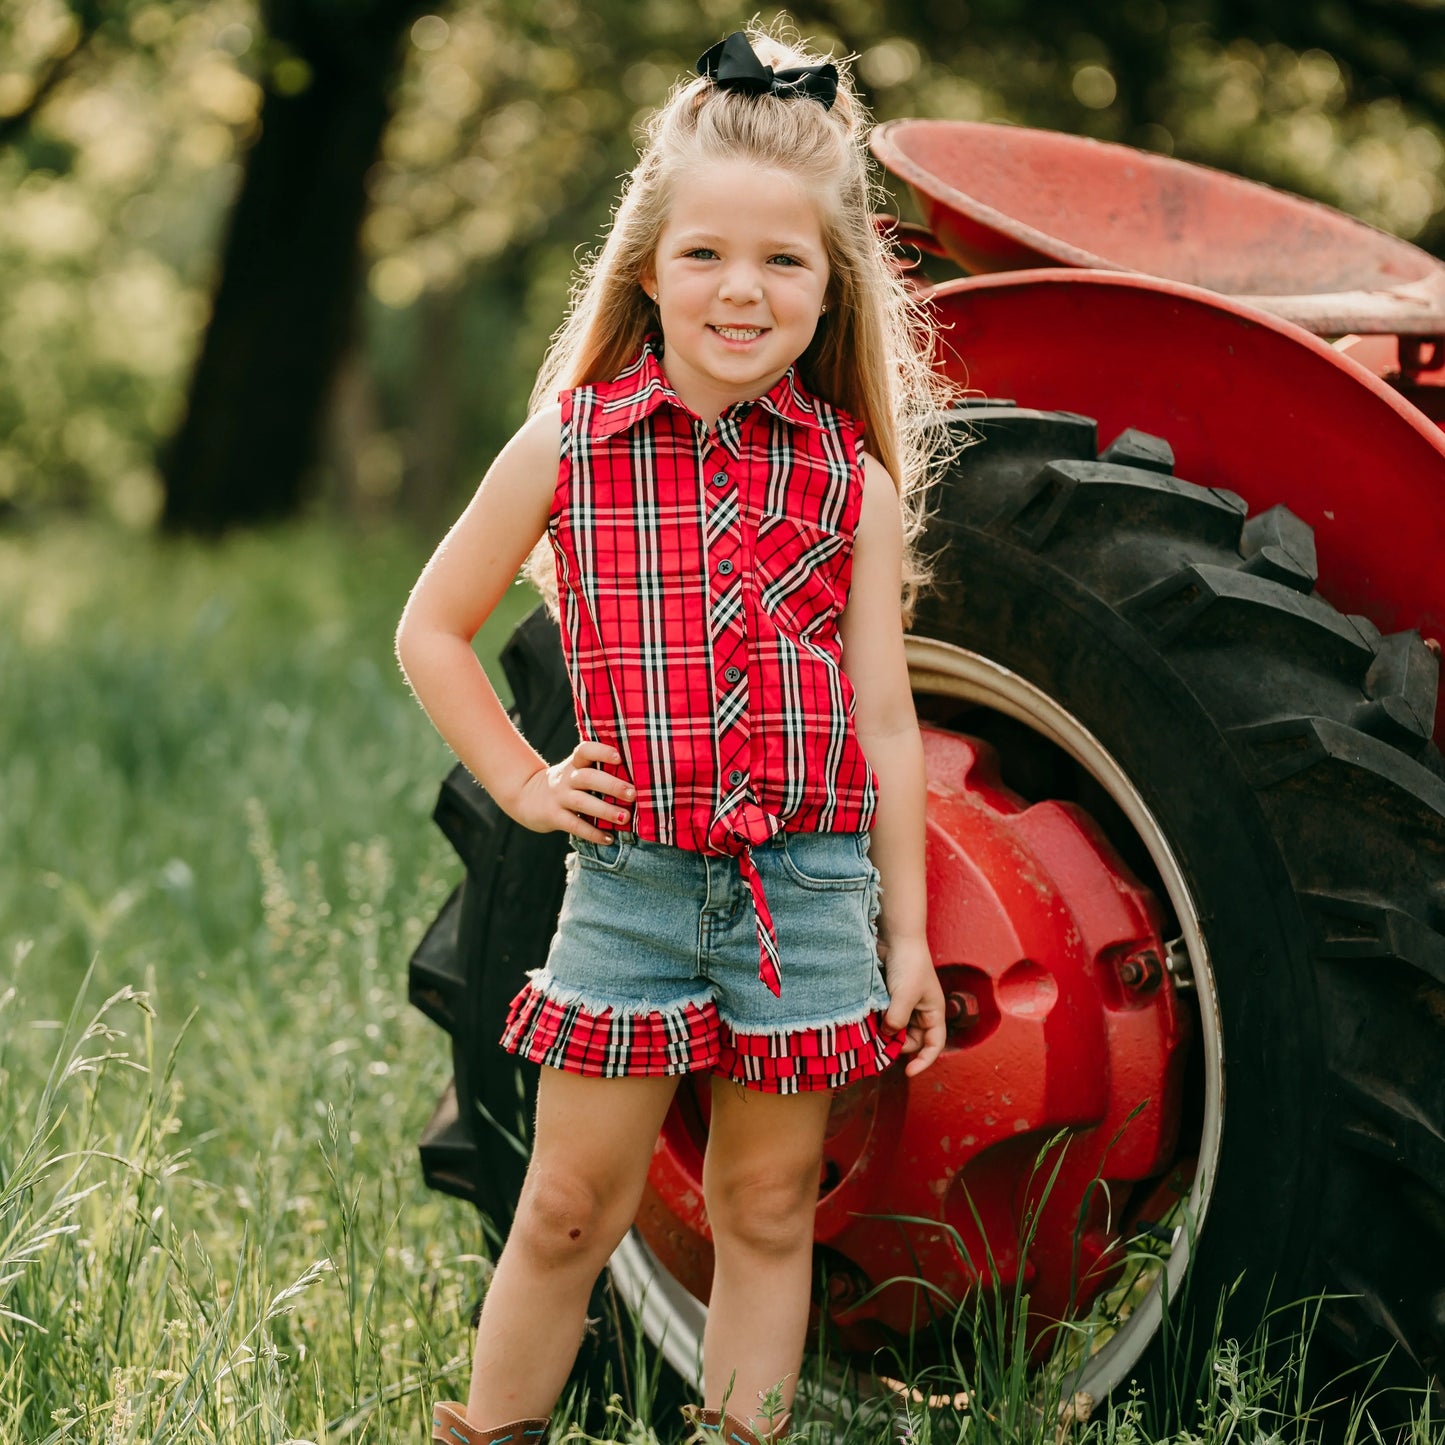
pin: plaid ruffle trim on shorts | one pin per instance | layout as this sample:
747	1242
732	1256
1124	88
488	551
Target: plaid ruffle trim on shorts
694	1039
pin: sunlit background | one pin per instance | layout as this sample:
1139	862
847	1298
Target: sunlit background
127	132
275	279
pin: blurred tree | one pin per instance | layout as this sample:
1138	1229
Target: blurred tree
118	125
284	304
456	159
57	61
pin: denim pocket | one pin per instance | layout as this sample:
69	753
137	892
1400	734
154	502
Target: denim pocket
825	861
608	857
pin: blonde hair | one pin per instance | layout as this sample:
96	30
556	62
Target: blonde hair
871	353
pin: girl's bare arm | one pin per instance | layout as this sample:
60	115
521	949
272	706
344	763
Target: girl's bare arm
871	630
474	565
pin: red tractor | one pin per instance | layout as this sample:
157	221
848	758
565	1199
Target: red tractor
1186	817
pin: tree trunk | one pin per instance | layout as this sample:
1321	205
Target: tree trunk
285	301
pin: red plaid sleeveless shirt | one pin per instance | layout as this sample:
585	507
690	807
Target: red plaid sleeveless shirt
700	577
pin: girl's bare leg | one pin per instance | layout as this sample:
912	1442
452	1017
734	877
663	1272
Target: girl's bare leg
761	1182
594	1139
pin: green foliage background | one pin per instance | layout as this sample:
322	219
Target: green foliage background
128	125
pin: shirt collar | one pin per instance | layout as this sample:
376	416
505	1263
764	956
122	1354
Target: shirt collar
643	387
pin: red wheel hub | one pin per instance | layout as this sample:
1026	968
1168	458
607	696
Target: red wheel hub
1062	1021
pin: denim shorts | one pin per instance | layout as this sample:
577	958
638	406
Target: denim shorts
653	969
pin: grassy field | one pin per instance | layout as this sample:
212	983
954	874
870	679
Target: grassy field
214	820
218	857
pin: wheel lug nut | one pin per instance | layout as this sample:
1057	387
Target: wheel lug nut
1141	972
961	1010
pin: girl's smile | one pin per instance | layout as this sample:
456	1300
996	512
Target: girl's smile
740	276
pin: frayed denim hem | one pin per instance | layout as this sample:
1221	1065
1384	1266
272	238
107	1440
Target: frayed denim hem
541	983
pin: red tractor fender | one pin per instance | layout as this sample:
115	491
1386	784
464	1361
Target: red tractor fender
1250	403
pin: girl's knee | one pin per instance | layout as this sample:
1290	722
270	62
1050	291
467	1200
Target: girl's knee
566	1218
766	1212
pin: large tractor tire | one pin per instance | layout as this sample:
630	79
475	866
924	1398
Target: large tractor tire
1134	647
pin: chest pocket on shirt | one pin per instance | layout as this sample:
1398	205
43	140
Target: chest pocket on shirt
799	572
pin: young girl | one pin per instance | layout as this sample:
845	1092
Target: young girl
730	565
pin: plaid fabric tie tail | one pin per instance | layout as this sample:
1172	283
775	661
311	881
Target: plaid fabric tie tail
769	962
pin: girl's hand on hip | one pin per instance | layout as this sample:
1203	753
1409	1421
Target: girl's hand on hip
917	1002
563	797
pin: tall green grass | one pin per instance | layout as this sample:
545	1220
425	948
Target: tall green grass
217	857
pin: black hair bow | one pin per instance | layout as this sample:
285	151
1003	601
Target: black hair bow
734	65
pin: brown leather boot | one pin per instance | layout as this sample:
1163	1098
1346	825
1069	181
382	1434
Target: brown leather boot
449	1427
716	1427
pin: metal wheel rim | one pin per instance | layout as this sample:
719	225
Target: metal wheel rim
674	1320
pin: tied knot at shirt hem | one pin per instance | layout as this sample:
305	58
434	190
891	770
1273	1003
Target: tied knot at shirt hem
734	835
